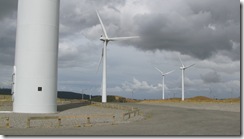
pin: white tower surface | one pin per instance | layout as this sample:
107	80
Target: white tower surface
35	75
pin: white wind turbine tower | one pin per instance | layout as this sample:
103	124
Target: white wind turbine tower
183	68
163	74
106	40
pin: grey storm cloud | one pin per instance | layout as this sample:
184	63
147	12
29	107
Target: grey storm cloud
211	77
76	15
200	30
7	49
8	10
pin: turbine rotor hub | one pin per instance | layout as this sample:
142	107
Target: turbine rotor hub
103	39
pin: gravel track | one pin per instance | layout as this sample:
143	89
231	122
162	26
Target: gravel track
72	115
179	119
231	107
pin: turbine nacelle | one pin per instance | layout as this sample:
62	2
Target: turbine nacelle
182	68
162	73
103	39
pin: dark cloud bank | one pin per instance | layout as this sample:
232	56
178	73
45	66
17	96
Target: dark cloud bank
8	15
202	30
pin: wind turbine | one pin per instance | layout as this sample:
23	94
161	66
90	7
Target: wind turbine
106	40
83	91
211	93
90	94
163	74
132	93
183	68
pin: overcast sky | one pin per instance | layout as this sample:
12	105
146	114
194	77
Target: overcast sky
205	32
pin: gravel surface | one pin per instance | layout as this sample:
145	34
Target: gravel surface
72	115
231	107
158	120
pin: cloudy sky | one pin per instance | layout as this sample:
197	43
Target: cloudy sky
205	32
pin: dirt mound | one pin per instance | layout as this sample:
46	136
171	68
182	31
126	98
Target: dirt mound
230	100
161	101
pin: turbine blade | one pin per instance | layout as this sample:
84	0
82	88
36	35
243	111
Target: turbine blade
100	61
181	61
169	72
189	66
159	70
123	38
101	22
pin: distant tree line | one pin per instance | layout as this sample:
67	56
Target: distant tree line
73	95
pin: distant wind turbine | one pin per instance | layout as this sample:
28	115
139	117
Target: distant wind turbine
211	93
132	93
183	68
90	94
106	40
163	74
